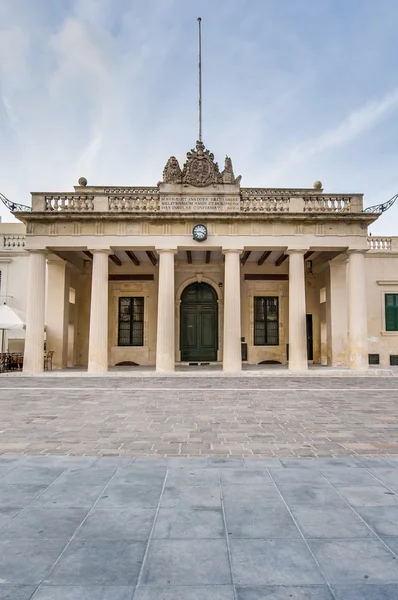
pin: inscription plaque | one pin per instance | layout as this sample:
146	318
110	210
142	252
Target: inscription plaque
199	204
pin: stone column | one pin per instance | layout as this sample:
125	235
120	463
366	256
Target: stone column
33	363
337	312
297	312
357	315
165	341
232	359
98	340
57	315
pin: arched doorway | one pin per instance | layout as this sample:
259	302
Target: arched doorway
199	323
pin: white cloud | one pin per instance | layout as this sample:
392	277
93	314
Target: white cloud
353	125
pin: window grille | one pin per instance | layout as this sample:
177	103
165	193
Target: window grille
393	360
374	359
266	321
131	321
391	306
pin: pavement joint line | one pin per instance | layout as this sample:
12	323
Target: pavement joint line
199	389
226	535
74	535
357	514
151	534
302	535
31	502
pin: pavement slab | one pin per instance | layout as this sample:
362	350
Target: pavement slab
224	523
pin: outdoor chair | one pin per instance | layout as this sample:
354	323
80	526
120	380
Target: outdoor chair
48	360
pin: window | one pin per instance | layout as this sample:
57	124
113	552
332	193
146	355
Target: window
131	322
266	321
391	305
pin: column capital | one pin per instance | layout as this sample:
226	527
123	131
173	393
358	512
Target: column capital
296	251
164	250
357	251
231	250
41	251
100	250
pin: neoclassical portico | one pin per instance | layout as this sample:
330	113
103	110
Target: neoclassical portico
285	270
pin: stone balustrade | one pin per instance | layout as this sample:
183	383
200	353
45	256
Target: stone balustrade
68	202
148	200
14	241
263	201
327	204
134	203
383	244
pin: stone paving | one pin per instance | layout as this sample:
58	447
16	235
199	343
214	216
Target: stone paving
193	416
101	500
85	528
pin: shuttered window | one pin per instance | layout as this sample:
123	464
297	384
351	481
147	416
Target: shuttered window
391	306
131	321
266	321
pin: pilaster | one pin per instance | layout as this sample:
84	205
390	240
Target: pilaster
165	342
34	340
297	312
232	360
98	339
357	314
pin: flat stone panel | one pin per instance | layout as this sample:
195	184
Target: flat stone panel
382	519
316	592
273	562
365	592
16	592
130	496
369	496
28	561
18	496
65	494
264	521
330	522
29	475
193	523
355	561
45	523
184	593
191	497
307	494
99	562
245	477
84	593
118	523
187	562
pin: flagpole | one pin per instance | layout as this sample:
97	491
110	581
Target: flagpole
200	78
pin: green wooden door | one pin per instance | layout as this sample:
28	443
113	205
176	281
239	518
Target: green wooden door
199	323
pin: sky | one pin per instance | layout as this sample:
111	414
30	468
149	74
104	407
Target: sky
293	91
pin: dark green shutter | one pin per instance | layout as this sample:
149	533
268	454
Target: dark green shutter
391	309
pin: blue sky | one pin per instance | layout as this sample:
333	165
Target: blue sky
293	91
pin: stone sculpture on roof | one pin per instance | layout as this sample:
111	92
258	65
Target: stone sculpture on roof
199	170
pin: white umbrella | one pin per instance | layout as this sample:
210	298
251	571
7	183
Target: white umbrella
11	318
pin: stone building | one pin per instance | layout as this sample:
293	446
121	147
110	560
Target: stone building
198	269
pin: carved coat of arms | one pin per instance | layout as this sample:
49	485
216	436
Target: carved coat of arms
199	169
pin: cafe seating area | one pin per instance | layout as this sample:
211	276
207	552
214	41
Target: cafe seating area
13	361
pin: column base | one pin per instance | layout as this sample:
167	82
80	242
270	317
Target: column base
232	369
98	370
298	366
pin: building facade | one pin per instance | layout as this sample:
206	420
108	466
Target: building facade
198	269
14	271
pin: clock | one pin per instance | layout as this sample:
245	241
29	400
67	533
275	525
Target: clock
199	233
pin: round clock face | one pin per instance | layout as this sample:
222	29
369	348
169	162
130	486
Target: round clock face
199	233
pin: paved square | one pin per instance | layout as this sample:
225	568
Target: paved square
173	529
199	416
87	515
